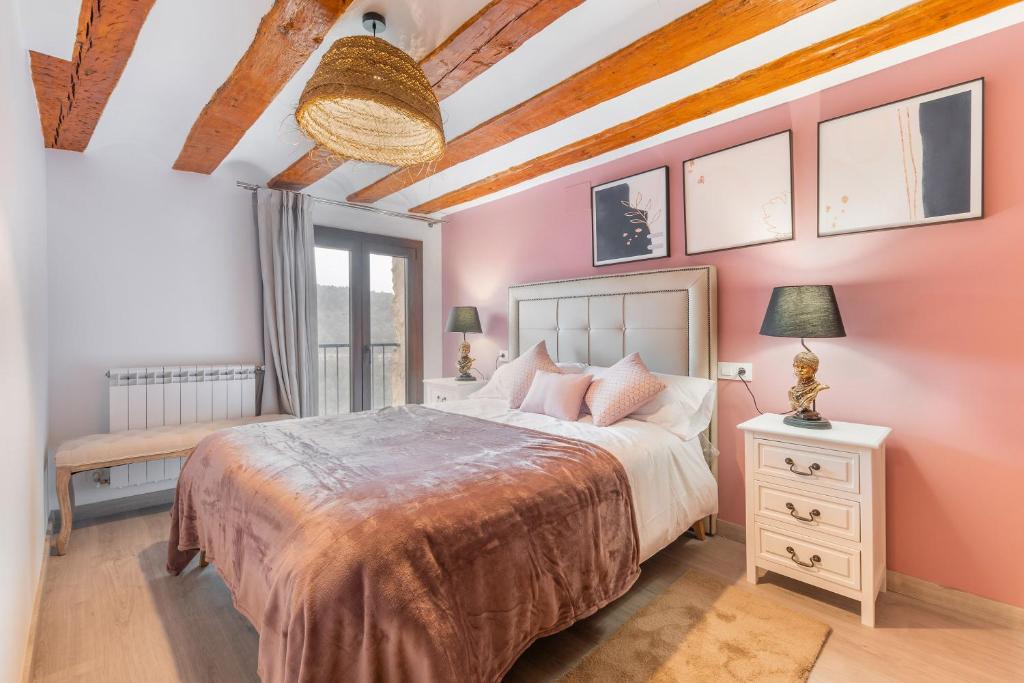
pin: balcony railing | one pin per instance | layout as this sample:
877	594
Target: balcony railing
336	379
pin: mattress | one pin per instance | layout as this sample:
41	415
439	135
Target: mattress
671	483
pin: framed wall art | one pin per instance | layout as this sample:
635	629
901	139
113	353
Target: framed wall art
912	162
630	218
739	196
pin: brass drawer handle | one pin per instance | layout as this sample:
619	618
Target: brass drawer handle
793	513
792	556
792	468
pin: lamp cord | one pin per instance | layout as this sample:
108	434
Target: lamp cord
753	398
747	385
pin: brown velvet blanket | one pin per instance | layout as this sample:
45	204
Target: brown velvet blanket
406	544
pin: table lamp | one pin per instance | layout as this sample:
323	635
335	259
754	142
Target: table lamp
464	319
807	311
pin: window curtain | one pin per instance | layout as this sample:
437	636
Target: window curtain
284	222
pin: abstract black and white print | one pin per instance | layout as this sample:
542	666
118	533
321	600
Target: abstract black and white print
630	218
912	162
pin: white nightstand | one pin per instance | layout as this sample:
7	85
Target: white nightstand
447	389
816	506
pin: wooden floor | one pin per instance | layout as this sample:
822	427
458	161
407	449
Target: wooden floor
110	613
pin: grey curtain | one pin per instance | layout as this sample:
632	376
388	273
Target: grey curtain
284	222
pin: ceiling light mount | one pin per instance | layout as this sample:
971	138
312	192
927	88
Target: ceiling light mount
374	23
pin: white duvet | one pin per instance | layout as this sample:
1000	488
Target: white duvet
672	485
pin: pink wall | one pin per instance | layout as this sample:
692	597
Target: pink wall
934	315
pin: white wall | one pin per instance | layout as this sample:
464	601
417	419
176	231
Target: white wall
22	345
153	266
147	266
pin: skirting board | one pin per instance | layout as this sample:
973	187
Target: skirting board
33	626
732	531
992	611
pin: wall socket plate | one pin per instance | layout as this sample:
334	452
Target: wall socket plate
503	355
732	371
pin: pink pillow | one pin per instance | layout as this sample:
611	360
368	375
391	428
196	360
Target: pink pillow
621	389
556	394
522	369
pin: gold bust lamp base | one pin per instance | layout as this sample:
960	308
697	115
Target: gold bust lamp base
803	395
465	363
810	419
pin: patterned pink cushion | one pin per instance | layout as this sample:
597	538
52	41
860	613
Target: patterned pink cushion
621	389
556	394
521	371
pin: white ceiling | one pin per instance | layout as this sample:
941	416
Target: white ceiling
180	61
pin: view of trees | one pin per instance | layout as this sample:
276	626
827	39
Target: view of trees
387	323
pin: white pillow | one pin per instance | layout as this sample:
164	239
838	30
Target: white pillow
683	407
497	386
500	384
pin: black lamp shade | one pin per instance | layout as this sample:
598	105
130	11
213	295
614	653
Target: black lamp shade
803	311
463	319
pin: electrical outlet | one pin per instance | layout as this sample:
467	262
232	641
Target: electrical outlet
732	371
503	355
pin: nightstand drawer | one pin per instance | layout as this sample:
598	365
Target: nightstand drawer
833	516
436	397
840	566
443	390
807	465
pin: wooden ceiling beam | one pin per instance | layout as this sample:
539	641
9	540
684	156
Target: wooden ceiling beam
707	30
51	76
495	32
315	164
72	95
287	35
481	42
911	23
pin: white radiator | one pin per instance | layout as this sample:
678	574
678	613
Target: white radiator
143	398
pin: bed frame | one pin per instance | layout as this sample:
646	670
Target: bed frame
669	316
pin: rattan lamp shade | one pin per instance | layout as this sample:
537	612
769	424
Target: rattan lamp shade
370	101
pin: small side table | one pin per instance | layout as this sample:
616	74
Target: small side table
816	506
445	389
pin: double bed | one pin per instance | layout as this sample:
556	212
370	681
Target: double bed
432	544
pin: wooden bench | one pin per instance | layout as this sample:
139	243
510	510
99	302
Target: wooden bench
99	451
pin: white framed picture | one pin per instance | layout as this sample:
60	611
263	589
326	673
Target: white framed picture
739	196
911	162
630	218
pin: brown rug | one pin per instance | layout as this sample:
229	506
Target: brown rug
701	629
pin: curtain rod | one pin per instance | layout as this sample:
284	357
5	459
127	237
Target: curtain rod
431	222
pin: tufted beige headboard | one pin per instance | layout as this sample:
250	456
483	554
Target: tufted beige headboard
668	316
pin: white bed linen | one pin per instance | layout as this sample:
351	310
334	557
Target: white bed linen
672	485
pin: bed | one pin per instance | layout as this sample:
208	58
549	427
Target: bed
436	545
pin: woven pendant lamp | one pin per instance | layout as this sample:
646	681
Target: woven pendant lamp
369	101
